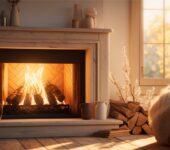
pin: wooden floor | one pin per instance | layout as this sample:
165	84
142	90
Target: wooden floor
141	142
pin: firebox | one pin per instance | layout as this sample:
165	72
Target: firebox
42	83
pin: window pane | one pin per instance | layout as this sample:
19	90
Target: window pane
153	60
167	61
167	4
153	4
153	26
167	27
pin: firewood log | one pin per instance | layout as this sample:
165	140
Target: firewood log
144	112
118	115
134	106
132	121
141	119
27	100
51	99
118	103
38	99
12	96
125	111
56	91
137	130
147	129
17	99
124	127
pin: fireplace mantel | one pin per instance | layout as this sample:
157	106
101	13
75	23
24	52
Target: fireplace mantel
94	41
70	30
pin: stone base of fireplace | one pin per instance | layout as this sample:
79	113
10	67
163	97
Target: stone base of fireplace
25	128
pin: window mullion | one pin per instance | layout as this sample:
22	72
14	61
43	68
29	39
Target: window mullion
164	67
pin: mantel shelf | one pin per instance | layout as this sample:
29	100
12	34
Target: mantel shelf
73	30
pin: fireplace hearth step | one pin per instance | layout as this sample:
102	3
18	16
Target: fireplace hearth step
25	128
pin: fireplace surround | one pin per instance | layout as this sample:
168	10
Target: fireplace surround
93	43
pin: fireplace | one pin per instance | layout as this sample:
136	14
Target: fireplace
83	56
48	73
42	83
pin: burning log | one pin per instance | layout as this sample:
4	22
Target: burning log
55	91
51	98
17	99
38	99
27	100
10	98
137	121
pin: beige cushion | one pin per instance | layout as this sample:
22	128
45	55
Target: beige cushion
159	117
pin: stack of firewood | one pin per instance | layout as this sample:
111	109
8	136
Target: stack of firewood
133	116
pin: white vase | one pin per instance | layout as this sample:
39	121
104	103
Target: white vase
101	110
15	16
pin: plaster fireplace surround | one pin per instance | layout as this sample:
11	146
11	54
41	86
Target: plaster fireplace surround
74	64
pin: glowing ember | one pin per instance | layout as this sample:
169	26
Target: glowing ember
33	89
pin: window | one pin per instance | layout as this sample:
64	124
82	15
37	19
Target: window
155	42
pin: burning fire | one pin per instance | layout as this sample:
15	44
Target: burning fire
33	88
36	91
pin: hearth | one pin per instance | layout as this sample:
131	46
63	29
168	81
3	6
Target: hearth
42	83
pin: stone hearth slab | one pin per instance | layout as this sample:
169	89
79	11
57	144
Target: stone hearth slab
25	128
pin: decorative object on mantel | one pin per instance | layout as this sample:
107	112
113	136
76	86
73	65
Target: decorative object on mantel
3	19
77	16
130	110
14	13
90	18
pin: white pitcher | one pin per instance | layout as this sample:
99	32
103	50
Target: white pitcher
101	110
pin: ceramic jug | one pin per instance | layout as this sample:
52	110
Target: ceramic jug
101	110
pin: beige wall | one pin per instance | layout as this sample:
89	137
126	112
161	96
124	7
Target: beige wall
58	13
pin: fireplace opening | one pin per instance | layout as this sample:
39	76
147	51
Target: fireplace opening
42	83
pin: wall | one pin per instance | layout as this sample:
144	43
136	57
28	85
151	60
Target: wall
116	16
58	13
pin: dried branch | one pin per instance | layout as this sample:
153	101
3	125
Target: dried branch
117	86
130	91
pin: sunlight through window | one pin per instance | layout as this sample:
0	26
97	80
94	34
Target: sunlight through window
156	39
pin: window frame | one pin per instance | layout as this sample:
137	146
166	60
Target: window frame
137	46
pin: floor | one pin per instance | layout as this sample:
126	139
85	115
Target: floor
140	142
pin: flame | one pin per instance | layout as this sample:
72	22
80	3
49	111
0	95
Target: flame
34	85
